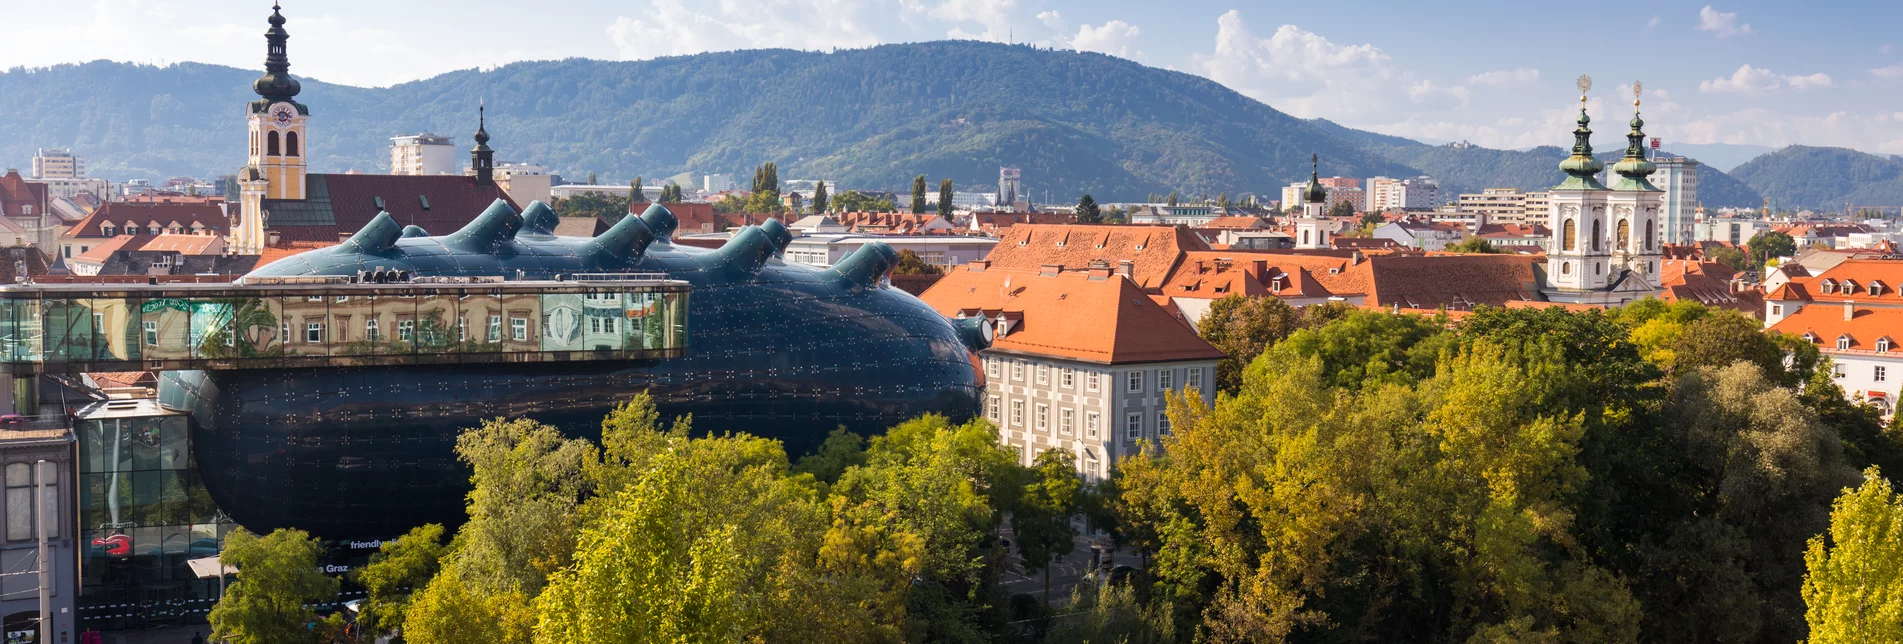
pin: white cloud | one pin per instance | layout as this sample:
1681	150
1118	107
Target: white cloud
1116	38
1891	72
995	16
1051	19
1506	77
1884	49
1757	80
1305	74
1723	23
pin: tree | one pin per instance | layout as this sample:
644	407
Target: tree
1371	219
855	201
1853	587
1341	209
278	578
820	199
635	191
1769	245
592	204
918	194
1087	211
1729	256
1242	327
945	198
671	193
399	568
228	187
1041	517
1222	200
911	264
1116	216
593	180
1475	244
1171	200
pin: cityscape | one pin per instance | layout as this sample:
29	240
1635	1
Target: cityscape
975	337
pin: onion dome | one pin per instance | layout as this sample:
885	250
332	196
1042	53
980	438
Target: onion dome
1314	193
1635	171
276	84
1582	171
482	131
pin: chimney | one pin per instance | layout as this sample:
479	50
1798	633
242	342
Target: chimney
273	236
1049	270
1261	266
1097	273
1354	258
1127	268
1480	219
979	265
1850	310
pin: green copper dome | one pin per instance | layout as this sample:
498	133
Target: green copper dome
1635	171
1582	171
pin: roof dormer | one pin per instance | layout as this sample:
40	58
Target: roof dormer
1844	341
1827	286
1849	287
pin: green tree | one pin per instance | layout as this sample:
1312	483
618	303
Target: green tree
911	264
1087	211
841	451
228	187
399	568
592	204
1116	216
1768	245
1171	200
945	197
1041	517
1242	328
855	201
1853	587
278	578
1110	614
1371	219
1341	209
593	180
1729	256
1475	244
820	200
636	192
918	194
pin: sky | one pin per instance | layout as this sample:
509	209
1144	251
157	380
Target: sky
1498	74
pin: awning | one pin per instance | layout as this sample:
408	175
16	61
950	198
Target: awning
208	567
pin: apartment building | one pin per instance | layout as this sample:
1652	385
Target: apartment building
55	163
423	154
1082	360
1501	205
1853	313
1678	177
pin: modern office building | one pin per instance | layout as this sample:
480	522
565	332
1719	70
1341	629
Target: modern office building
1678	177
1009	186
716	183
423	154
55	163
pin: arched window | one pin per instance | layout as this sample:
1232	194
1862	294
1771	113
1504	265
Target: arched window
1843	341
1625	230
271	144
1883	344
290	144
1570	235
1648	235
1566	268
1597	232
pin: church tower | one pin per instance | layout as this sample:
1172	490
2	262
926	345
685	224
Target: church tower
482	160
1310	231
1579	258
1635	204
278	142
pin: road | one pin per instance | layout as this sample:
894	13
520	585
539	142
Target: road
1066	571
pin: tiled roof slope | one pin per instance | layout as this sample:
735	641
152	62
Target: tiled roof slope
1218	274
1455	282
1827	323
1154	250
1848	280
343	203
1707	283
16	192
208	216
1095	316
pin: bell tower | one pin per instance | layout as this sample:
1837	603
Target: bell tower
1636	203
278	141
1309	229
1579	258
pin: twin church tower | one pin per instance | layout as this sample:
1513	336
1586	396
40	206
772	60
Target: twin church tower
1605	247
279	142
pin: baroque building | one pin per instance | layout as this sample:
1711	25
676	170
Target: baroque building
1605	247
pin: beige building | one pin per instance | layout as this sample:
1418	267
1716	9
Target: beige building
423	154
525	182
1082	360
1504	205
55	163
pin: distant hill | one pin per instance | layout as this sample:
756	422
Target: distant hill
869	118
1821	178
1723	156
1469	168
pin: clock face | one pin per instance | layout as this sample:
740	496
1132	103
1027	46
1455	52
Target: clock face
282	113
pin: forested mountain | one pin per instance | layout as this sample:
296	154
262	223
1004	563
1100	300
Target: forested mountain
868	118
1802	176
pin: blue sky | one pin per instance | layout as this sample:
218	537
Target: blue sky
1498	74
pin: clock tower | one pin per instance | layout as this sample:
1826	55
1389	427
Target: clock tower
278	142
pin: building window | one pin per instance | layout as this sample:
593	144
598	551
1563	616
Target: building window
1090	381
1162	424
1017	371
1879	373
1135	382
1165	379
1133	426
20	505
1069	378
1043	375
519	329
1067	421
1043	418
1883	344
1843	342
991	409
370	330
1777	309
314	332
1017	413
1090	425
290	144
405	330
1837	371
1195	380
151	334
495	328
991	367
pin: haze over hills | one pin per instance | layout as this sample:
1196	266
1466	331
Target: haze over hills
1821	178
867	119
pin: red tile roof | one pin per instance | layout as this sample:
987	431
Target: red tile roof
17	195
453	202
1094	316
1849	280
1237	223
1708	283
693	217
1454	282
994	223
121	214
1154	250
1827	324
1219	274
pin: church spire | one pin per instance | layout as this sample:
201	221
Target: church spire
1635	171
1582	170
1314	193
482	160
276	84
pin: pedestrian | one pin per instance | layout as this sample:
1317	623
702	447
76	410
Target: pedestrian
198	638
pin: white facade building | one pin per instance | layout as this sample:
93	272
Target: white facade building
823	249
55	163
1678	177
716	183
423	154
1605	248
525	182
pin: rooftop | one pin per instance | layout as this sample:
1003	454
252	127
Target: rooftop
1090	315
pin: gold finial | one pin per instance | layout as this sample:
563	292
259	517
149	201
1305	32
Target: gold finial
1585	85
1637	89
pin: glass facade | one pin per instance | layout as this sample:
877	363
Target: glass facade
253	327
143	512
